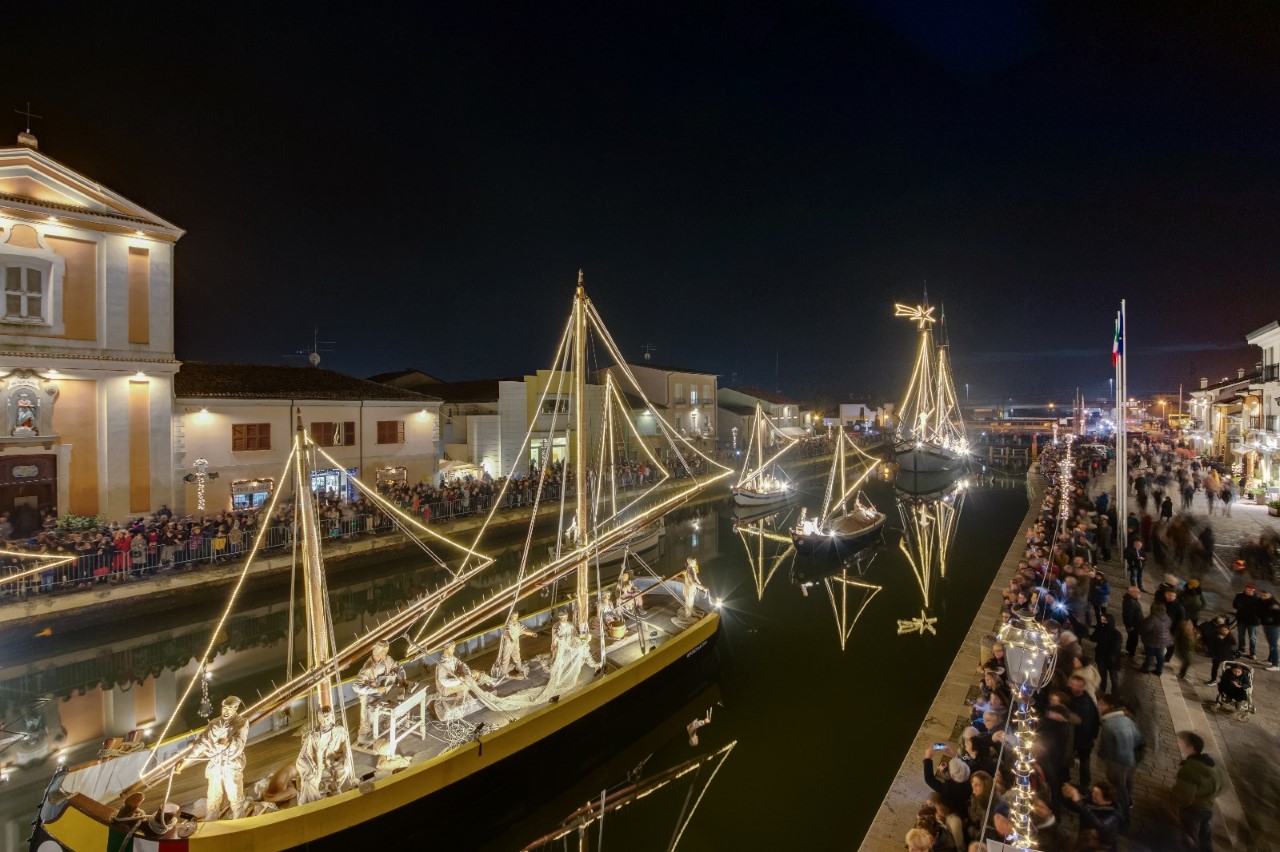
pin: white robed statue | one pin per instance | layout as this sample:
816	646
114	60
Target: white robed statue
692	585
324	763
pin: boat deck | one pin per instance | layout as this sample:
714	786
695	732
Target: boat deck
269	753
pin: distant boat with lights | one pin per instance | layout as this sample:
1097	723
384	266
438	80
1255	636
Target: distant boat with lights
930	435
848	517
762	483
284	772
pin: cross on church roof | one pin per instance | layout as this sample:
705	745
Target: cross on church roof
29	115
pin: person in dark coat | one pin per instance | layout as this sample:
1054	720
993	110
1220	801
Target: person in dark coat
1086	733
1156	638
1107	652
1247	619
1177	615
1053	745
1134	560
1192	598
1099	814
954	785
1222	647
1131	615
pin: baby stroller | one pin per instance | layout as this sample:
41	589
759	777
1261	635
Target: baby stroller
1235	691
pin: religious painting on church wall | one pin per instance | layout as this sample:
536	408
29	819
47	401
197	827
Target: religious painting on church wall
28	403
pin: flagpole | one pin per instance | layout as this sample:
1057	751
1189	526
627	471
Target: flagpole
1124	380
1118	412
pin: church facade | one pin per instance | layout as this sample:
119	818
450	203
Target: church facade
98	417
86	344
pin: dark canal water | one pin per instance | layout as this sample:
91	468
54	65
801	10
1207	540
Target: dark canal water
817	688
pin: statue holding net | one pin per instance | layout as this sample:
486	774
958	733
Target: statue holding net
324	763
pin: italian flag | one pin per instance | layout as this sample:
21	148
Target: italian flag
1117	344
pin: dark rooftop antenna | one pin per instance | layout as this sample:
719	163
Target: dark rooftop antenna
317	346
648	350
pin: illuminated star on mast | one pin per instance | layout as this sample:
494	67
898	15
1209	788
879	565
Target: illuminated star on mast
918	314
917	625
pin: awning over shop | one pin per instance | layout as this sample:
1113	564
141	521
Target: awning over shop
460	468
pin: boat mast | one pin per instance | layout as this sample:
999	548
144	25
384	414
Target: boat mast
579	444
759	437
319	627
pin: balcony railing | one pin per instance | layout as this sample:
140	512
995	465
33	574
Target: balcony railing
1271	373
680	400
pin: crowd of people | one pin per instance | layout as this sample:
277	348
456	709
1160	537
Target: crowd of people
1088	743
145	545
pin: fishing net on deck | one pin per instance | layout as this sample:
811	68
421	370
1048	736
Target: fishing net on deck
563	669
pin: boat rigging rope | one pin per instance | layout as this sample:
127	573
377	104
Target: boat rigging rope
226	613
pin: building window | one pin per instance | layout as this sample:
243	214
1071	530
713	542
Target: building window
334	434
24	294
246	437
677	420
390	431
693	394
555	405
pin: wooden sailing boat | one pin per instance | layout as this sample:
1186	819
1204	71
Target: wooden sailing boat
930	435
762	483
456	744
847	517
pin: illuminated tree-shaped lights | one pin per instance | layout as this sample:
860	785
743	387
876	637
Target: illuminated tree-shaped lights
1029	651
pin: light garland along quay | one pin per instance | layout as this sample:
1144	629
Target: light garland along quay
1149	803
907	791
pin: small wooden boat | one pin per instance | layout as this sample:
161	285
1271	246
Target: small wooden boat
847	518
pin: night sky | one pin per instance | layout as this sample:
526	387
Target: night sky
745	184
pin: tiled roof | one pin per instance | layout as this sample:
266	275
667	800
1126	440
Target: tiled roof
75	208
405	373
204	379
635	402
670	369
765	396
478	390
740	410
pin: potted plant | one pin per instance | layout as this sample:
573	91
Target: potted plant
1273	508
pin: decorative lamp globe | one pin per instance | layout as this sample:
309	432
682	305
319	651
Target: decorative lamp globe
1030	651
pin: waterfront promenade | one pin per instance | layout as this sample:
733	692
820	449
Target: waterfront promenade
1247	750
947	716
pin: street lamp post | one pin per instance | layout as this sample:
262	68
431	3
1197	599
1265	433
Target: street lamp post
201	475
1030	651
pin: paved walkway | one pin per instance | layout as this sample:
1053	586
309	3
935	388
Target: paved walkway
947	715
1245	817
